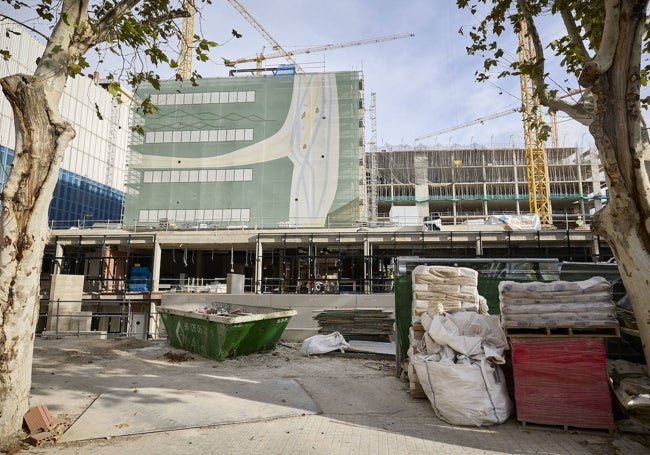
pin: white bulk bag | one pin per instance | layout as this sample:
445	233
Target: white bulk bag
465	394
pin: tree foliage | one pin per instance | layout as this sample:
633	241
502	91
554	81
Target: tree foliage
143	35
583	24
603	47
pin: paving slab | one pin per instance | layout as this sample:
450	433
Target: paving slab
125	412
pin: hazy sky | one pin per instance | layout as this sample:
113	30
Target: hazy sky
423	84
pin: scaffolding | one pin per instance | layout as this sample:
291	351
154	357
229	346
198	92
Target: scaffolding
478	182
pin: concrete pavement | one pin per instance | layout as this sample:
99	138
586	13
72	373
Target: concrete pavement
364	408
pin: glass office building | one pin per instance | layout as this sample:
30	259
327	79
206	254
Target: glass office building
91	179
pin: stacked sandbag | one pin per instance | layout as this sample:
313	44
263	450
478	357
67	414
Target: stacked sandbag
577	304
438	290
444	289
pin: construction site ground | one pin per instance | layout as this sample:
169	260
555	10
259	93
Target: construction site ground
130	396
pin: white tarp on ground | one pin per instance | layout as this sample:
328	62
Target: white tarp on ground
459	369
322	344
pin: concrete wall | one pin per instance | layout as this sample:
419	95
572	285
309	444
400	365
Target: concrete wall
64	309
301	325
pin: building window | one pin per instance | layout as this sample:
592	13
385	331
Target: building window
198	176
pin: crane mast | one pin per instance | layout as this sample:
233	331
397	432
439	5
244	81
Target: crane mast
535	149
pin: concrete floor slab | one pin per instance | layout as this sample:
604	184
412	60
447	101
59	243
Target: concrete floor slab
124	412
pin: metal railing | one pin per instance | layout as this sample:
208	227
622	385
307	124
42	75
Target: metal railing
98	318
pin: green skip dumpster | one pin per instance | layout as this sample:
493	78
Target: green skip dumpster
227	330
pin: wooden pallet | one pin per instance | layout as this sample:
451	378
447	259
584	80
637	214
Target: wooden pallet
524	332
560	427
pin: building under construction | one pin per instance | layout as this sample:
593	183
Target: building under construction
469	184
265	177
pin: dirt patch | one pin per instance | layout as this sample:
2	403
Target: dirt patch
177	357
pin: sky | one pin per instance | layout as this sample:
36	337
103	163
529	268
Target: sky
423	84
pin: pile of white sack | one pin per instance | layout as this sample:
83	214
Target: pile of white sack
456	348
557	304
443	289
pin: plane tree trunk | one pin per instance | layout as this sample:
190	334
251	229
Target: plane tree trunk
624	150
42	138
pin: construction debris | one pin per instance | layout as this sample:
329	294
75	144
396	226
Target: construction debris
42	426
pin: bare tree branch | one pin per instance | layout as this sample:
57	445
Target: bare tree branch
605	55
574	34
533	33
24	25
580	111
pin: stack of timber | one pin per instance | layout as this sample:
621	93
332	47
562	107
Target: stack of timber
438	290
371	324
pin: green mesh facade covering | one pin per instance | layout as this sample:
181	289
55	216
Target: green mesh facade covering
261	151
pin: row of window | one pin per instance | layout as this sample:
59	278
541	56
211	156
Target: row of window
203	98
154	216
198	176
228	135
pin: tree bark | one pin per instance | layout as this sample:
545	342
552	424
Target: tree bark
42	136
625	155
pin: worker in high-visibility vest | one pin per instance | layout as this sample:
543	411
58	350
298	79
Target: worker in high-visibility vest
579	221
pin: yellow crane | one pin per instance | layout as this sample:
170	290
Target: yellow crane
536	161
259	58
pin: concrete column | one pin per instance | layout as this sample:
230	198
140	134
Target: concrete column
595	179
58	258
258	266
595	249
155	267
367	273
153	328
582	201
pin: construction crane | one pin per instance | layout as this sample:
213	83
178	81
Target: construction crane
285	54
536	162
535	149
187	40
476	121
251	20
